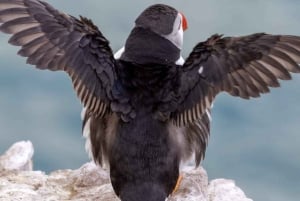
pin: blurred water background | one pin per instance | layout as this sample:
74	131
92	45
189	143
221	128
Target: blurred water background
256	142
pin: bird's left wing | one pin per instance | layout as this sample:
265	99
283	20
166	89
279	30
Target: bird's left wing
56	41
242	66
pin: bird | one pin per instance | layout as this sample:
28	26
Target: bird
146	109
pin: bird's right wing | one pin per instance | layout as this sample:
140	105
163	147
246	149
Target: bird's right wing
55	41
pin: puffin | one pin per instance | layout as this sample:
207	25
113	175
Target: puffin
146	109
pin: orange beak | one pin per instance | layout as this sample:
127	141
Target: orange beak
184	22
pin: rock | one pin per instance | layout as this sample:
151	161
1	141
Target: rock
193	186
18	157
225	190
91	182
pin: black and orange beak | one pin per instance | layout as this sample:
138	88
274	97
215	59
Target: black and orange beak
184	22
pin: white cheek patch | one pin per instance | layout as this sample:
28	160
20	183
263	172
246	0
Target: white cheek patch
179	38
176	37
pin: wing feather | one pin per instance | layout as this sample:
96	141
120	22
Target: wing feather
242	66
55	41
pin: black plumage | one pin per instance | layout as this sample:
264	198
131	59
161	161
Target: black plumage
242	66
144	112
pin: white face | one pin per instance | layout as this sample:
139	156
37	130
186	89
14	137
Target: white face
176	37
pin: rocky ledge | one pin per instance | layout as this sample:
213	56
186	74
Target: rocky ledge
19	182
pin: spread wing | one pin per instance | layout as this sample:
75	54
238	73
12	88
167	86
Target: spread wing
242	66
55	41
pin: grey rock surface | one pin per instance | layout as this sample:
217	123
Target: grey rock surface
91	183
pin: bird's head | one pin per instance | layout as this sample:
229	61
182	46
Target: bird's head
164	21
157	36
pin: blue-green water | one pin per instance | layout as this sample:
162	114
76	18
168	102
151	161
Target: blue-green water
256	142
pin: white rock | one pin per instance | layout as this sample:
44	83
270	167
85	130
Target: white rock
225	190
193	186
92	183
18	157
